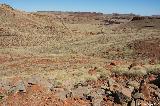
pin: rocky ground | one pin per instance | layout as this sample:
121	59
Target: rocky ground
78	59
114	90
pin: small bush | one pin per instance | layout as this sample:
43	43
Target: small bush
120	69
154	69
103	73
137	71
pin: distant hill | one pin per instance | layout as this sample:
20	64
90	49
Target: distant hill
19	28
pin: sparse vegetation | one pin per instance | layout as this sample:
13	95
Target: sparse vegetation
120	69
153	69
77	52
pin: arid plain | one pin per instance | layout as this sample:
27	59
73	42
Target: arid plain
51	58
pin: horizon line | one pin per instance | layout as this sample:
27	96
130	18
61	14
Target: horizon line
73	11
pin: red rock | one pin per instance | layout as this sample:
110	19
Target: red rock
2	91
143	103
92	71
109	103
151	77
115	63
127	92
144	89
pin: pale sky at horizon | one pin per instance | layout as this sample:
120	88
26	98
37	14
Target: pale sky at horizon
142	7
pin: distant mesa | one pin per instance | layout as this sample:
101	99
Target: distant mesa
70	12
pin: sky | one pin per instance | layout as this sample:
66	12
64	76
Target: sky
140	7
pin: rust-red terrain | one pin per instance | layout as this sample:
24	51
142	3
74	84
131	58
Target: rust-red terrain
50	58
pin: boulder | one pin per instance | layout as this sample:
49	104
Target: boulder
64	94
127	92
98	97
21	86
138	96
111	82
144	89
80	91
120	98
133	103
37	80
5	84
17	87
